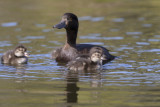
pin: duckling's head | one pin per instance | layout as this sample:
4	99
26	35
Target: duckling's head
96	54
69	21
20	51
95	57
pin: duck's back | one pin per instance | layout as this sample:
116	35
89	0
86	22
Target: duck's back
85	48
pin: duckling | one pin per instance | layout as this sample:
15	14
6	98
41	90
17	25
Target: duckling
15	56
71	50
93	61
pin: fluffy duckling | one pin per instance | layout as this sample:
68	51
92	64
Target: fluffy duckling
93	61
15	56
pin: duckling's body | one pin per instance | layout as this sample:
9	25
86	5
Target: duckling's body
15	56
91	61
71	50
82	63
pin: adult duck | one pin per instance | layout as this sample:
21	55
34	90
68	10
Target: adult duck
71	50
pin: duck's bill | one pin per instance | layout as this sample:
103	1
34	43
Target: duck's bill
26	54
103	57
61	25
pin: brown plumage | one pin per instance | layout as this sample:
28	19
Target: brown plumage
91	61
71	50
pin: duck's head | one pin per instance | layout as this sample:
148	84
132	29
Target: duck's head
69	22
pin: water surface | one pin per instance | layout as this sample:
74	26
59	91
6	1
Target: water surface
128	28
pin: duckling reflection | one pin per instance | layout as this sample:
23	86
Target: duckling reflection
18	55
93	61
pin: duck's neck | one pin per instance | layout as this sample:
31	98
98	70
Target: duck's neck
71	37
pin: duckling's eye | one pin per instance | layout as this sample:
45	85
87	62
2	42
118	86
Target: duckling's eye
21	49
98	54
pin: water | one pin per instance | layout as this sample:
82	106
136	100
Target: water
128	28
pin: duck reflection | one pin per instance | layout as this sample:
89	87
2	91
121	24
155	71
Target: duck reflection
72	88
72	78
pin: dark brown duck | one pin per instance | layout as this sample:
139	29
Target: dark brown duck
71	50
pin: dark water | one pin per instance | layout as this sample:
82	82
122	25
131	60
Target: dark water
128	28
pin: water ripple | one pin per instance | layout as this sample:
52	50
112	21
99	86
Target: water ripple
154	40
151	50
157	36
149	67
147	25
96	19
93	19
95	43
9	24
34	37
40	25
5	43
134	33
117	65
101	38
124	48
142	43
118	20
